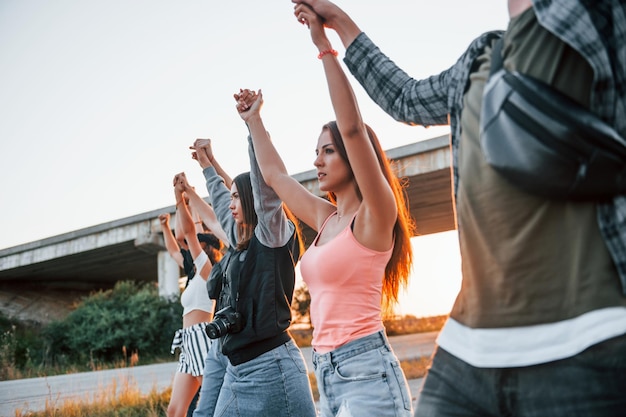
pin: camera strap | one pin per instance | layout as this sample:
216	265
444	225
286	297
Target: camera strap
232	270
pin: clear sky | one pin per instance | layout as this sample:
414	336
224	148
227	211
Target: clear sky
100	99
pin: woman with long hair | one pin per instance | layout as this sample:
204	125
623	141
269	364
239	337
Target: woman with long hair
263	370
204	251
362	254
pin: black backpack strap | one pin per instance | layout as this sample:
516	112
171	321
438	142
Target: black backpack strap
496	56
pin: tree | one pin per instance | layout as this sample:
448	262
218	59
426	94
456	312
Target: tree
301	305
130	318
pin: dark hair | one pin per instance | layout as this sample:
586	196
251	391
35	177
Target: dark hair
213	246
246	230
250	220
398	268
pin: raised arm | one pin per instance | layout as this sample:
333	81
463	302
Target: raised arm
415	102
378	211
179	235
171	244
206	213
186	222
273	228
205	144
309	208
219	194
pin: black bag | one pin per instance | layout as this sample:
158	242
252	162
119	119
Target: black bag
214	282
545	143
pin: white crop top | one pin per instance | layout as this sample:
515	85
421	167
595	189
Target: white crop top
195	296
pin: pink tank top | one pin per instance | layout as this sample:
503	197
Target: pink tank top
345	281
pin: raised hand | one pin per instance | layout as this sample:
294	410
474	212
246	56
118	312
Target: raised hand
314	22
180	182
249	103
164	219
326	10
205	145
245	97
332	17
202	152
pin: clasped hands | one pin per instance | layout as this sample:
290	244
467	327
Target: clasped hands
249	102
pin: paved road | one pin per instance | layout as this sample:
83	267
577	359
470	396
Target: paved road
34	393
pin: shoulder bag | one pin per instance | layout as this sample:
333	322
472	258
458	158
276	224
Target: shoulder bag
545	143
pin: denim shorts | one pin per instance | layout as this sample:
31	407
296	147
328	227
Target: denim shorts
274	384
362	378
592	383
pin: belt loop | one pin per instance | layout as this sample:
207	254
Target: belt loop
385	341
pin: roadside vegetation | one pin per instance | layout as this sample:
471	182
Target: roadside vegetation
128	401
127	325
131	325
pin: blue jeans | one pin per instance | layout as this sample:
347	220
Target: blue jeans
362	378
273	384
215	365
592	383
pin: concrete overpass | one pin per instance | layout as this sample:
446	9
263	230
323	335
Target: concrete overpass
132	248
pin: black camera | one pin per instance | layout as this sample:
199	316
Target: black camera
227	320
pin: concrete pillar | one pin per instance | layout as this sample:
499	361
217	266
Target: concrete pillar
169	273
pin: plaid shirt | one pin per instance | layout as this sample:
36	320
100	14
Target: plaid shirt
438	100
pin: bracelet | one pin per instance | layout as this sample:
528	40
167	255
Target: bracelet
326	52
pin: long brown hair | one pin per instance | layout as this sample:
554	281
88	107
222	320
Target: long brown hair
399	267
299	236
245	231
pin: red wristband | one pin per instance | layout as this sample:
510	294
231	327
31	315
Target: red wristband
326	52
